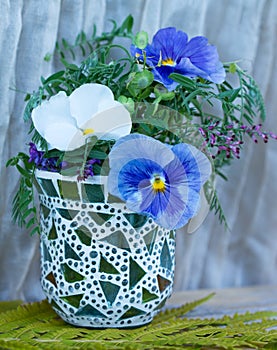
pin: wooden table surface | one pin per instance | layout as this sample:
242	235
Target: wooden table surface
228	301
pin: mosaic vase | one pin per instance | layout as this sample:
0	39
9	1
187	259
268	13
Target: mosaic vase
102	265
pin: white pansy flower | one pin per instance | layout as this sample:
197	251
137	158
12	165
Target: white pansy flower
66	121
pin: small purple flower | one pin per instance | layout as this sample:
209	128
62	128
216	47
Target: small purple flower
41	162
35	155
172	52
158	180
88	170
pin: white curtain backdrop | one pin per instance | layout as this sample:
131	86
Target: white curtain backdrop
243	30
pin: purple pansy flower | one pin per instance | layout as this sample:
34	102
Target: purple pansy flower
158	180
172	52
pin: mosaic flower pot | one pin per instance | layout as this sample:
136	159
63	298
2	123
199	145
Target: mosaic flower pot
102	265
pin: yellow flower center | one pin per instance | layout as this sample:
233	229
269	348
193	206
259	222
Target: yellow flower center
168	62
158	184
88	131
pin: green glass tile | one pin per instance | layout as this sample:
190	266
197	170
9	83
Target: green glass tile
163	283
84	235
132	312
147	296
150	239
53	233
165	258
55	305
69	253
93	193
110	290
68	190
172	235
73	300
67	214
46	254
48	187
136	273
71	275
44	210
89	310
37	186
162	304
107	267
50	277
114	199
117	239
136	220
99	218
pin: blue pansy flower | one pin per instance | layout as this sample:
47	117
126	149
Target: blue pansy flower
172	52
158	180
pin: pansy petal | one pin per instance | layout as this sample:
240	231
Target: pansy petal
188	155
218	76
184	187
135	146
84	101
161	75
130	177
175	40
51	111
196	221
178	211
64	136
111	123
194	45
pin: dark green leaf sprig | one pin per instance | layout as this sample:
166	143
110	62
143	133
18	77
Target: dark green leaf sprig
24	207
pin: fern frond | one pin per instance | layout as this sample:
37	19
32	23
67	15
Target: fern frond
24	211
180	311
36	326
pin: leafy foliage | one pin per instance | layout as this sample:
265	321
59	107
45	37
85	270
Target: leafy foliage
24	208
188	113
36	326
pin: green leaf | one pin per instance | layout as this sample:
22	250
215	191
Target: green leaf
47	57
127	24
54	76
30	223
230	95
232	68
98	154
184	81
69	66
141	40
163	94
12	162
128	102
22	171
140	81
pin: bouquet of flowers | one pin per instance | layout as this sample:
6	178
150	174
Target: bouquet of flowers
161	122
